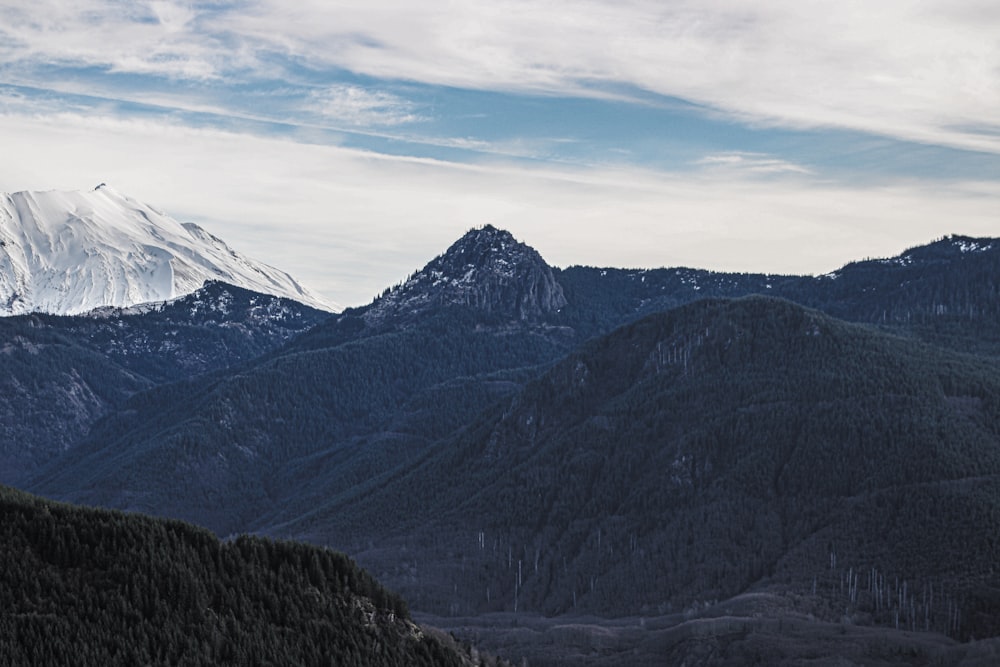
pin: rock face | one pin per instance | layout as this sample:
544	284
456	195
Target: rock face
486	269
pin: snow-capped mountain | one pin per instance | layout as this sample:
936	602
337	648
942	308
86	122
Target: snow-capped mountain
71	252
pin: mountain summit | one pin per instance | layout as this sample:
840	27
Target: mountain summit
71	252
487	269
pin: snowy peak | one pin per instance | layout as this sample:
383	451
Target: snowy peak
487	269
71	252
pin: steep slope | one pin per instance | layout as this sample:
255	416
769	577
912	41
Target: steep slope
946	292
61	374
70	252
88	587
722	447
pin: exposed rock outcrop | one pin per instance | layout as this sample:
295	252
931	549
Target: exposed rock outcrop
486	269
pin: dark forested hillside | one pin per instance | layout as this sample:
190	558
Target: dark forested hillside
721	447
361	392
61	374
93	587
352	397
946	292
210	329
52	389
223	451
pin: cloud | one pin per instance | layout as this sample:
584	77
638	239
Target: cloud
152	38
350	222
757	163
358	107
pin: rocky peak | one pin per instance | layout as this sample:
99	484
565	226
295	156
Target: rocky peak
481	248
487	269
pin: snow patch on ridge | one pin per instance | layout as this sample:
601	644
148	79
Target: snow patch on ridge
970	245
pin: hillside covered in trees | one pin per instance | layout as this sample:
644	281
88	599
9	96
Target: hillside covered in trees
722	447
62	374
370	389
95	587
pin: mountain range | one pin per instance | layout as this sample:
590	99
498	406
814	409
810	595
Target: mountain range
513	445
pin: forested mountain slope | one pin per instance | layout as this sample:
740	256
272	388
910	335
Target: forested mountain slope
947	292
52	389
721	447
214	327
371	388
61	373
350	398
92	587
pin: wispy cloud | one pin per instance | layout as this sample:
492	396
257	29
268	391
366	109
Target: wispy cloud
359	107
755	163
155	38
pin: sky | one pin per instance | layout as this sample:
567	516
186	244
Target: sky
350	142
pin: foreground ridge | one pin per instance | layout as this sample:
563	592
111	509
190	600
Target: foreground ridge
91	587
